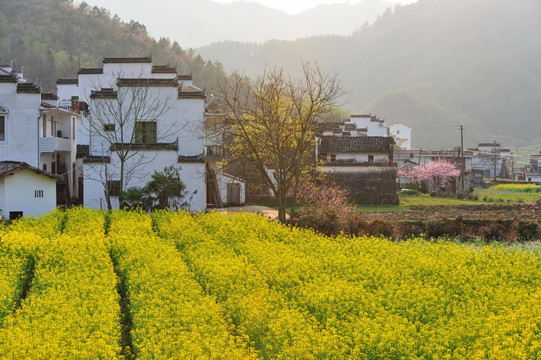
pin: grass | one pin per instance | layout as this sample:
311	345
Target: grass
492	195
409	202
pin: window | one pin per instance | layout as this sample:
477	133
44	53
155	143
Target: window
145	132
108	127
44	125
14	215
370	158
2	128
333	157
53	127
113	187
44	167
38	193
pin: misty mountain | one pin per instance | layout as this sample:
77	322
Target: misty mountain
200	22
431	65
52	39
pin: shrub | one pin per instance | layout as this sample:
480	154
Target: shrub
325	207
527	230
444	227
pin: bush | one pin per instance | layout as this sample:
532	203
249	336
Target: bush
527	230
410	192
325	207
444	227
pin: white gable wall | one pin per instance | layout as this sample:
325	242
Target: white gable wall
18	193
22	127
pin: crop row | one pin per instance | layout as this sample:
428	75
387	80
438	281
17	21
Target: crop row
71	310
413	299
171	317
276	329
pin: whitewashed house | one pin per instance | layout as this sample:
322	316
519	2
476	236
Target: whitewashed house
532	171
34	131
156	139
26	190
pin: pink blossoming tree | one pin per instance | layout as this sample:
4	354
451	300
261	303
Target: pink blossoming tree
434	172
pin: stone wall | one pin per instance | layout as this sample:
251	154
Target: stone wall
373	186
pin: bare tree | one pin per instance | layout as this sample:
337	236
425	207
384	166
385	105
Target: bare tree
123	121
274	122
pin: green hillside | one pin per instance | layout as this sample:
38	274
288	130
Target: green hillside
52	39
431	65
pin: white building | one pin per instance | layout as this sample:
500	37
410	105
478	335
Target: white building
402	135
370	125
164	126
34	131
532	171
25	190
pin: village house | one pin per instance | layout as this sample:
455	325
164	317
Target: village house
26	190
532	171
362	164
34	131
169	130
369	125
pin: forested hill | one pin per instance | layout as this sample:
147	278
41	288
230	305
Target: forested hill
52	39
431	65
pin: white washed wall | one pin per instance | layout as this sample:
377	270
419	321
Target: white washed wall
18	193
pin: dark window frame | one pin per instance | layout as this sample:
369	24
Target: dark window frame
113	187
145	132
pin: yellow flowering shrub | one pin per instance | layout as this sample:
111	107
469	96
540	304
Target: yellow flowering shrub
214	286
277	330
72	309
171	316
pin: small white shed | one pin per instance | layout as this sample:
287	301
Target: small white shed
26	190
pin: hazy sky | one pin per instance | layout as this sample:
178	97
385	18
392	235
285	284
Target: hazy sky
296	6
289	6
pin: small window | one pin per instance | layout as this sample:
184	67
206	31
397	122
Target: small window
333	157
44	167
397	132
370	158
38	193
108	127
113	187
145	132
14	215
44	125
2	128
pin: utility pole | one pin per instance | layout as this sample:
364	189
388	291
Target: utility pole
462	155
494	159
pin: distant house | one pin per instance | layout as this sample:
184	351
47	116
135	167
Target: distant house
532	171
26	190
492	161
362	164
369	125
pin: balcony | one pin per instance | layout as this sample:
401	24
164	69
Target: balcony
52	144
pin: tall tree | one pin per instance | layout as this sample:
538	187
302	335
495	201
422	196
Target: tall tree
274	121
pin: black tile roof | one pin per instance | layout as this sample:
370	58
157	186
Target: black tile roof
193	158
127	60
49	96
67	82
106	93
164	69
190	92
355	144
28	88
126	82
185	77
8	79
91	71
92	159
10	167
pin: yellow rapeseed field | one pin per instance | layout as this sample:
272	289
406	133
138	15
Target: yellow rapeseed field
85	284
